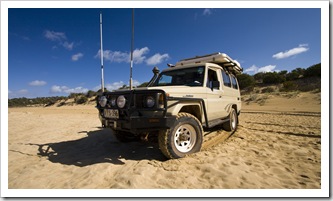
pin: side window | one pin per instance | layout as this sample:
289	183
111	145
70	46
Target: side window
234	82
212	76
226	79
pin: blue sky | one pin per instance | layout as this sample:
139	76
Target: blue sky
54	51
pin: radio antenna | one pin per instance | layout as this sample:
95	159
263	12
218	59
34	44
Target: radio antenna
132	42
102	65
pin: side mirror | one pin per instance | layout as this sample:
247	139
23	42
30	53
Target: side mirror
215	85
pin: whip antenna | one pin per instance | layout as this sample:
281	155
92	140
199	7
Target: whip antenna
132	42
100	23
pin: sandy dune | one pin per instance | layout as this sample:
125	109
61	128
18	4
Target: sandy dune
277	146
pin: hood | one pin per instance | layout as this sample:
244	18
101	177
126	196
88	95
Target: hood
179	91
174	91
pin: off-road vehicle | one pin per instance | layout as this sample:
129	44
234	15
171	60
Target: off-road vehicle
196	93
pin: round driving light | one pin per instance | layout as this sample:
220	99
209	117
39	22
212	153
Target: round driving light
121	101
113	101
102	101
150	101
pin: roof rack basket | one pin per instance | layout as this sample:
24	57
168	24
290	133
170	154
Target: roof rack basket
221	59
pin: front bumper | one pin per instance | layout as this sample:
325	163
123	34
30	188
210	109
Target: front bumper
136	116
140	124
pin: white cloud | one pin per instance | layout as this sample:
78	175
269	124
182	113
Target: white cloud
110	86
65	89
67	45
116	56
23	92
207	11
76	90
139	56
17	94
56	89
59	37
294	51
113	56
37	83
136	83
157	58
253	69
54	36
265	69
116	85
77	56
23	37
119	57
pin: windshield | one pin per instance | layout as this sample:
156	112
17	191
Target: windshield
186	76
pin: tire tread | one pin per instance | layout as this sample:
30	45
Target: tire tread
163	135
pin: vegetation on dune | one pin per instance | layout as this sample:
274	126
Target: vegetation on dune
258	88
298	79
45	101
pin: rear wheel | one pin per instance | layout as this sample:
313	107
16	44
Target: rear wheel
184	137
232	124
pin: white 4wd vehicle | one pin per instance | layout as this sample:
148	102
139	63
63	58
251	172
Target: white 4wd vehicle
196	93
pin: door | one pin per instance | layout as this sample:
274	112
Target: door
214	95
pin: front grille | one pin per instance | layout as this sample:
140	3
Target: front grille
136	102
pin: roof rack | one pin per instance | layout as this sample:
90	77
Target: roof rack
221	59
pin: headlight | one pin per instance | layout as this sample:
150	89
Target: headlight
150	101
113	101
121	101
102	101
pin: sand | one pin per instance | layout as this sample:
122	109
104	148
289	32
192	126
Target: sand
277	146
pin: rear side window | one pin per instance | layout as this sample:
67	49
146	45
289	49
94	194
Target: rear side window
234	82
226	79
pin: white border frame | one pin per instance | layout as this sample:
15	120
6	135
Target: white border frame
323	192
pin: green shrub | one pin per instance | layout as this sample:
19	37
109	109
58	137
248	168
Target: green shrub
262	100
268	90
245	80
50	103
252	97
289	86
273	78
309	84
91	93
313	71
80	99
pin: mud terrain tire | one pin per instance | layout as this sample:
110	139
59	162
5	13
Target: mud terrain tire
184	137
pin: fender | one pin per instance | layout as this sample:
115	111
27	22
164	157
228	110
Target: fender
178	102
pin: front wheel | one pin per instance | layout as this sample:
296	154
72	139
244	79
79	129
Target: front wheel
184	137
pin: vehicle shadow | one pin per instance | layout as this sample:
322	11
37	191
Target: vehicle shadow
99	146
